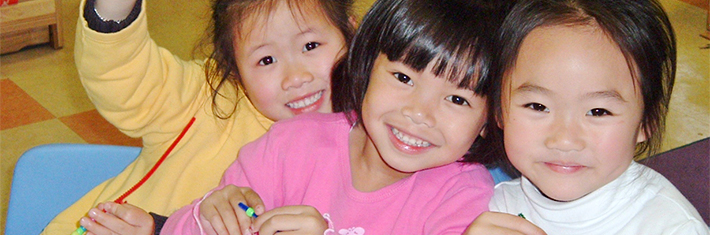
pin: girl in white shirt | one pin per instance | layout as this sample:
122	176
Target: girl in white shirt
584	91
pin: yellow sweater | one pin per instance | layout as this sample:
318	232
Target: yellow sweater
147	92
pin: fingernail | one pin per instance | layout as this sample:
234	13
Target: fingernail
93	213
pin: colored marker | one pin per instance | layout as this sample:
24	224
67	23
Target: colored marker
80	231
248	210
521	215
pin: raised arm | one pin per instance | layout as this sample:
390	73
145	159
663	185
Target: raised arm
138	86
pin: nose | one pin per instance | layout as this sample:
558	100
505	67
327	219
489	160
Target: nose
420	112
296	75
566	136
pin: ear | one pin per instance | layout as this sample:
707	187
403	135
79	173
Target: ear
641	135
353	22
483	130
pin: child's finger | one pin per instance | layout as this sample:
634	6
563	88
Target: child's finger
281	223
302	219
93	227
502	223
130	214
254	201
108	220
221	217
243	220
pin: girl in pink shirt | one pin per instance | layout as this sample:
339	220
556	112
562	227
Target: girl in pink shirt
404	155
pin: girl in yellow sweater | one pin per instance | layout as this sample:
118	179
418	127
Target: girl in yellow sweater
271	60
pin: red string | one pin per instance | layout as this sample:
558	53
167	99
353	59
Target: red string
121	199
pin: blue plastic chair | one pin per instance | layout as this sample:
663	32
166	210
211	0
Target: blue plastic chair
49	178
499	175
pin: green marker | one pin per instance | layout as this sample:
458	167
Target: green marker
80	231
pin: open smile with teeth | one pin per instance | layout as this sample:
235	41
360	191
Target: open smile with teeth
306	101
410	140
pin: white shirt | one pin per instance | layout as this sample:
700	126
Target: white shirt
639	201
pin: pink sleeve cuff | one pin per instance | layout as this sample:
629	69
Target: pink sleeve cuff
331	229
196	213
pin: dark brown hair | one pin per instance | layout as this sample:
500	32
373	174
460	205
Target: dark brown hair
454	34
221	66
640	28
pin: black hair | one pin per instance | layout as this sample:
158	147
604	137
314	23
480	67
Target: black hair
640	28
456	35
227	15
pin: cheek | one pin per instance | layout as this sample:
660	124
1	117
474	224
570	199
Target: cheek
327	61
261	91
517	138
617	142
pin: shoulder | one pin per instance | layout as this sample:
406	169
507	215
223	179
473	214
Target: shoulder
307	134
457	175
507	194
508	186
309	121
664	197
310	125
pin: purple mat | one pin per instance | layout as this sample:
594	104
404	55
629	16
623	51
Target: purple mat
688	168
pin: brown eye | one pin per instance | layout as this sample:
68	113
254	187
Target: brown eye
310	46
598	112
267	60
457	100
403	78
537	107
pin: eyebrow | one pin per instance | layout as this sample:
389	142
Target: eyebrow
530	88
303	32
608	94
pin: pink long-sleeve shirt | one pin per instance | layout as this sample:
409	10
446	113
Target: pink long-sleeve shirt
305	161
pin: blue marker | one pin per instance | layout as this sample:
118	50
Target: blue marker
248	210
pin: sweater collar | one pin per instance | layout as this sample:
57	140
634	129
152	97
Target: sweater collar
599	204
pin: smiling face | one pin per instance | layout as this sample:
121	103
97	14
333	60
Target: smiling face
416	120
285	60
571	111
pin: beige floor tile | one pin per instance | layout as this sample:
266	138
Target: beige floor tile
52	80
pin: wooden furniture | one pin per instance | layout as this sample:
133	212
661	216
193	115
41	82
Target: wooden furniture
706	35
30	22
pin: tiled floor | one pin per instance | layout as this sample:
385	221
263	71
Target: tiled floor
43	101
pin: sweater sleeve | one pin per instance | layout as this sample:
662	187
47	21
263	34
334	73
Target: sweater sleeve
136	85
255	168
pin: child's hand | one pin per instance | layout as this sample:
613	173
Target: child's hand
220	212
118	219
291	219
502	223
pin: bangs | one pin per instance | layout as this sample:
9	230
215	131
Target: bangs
461	67
254	12
454	45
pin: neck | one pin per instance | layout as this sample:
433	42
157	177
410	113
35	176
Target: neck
368	171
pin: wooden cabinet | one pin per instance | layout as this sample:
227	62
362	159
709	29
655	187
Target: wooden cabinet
30	22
